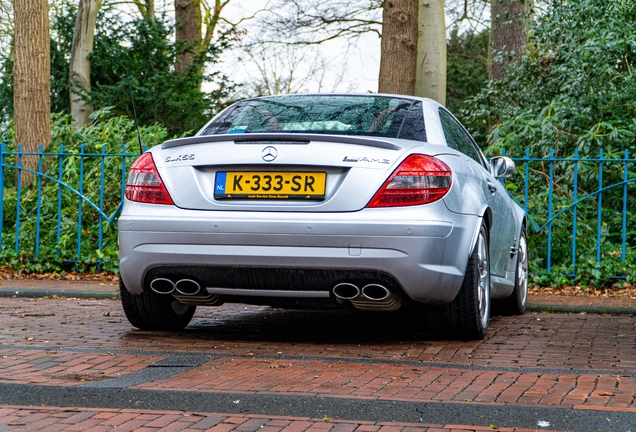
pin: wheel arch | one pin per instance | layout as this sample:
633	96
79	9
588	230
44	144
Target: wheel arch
485	215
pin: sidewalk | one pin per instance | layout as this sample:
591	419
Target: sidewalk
97	289
59	288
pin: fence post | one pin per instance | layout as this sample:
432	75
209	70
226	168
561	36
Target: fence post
123	173
575	193
526	183
79	208
19	196
550	191
101	205
626	179
39	204
600	208
2	148
59	199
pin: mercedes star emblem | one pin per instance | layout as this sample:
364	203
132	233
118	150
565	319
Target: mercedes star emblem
269	153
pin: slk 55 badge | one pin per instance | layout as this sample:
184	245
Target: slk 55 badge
184	157
366	159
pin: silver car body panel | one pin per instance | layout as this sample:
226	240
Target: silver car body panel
424	248
278	139
420	253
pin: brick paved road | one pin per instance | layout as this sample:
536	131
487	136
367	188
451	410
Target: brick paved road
255	368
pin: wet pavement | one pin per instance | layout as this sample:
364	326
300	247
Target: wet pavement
75	363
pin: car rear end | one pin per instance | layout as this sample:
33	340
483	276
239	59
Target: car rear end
294	220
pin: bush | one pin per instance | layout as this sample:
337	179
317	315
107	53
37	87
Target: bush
111	136
572	92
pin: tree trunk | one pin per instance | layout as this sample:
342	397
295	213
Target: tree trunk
32	79
508	33
188	32
398	47
146	9
431	51
80	65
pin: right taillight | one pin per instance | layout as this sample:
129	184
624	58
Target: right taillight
420	179
144	183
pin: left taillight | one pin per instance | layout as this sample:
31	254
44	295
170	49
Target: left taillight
420	179
144	183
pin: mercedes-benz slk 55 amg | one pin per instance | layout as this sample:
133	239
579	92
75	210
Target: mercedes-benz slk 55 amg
373	202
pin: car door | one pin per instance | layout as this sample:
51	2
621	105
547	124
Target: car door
503	223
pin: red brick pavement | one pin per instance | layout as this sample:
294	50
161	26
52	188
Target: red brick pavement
266	364
540	340
405	383
20	418
67	368
265	350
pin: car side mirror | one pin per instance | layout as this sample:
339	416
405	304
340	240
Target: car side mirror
501	167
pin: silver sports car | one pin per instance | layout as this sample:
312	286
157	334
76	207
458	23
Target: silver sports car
373	202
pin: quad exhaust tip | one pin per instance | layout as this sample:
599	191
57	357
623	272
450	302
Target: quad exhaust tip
376	292
162	286
372	297
349	291
186	287
346	291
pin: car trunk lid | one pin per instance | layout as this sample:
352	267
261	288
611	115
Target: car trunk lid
276	172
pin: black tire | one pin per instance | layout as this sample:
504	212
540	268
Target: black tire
516	303
152	311
468	315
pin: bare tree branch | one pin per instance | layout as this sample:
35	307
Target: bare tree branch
312	22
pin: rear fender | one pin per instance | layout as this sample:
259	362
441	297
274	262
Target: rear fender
485	215
499	287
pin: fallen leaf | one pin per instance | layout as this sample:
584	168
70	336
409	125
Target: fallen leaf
606	394
29	338
401	378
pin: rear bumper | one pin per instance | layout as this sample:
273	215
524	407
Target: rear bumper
424	249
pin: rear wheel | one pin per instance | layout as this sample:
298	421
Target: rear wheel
516	303
468	315
152	311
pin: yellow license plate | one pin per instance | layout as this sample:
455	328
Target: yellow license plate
270	185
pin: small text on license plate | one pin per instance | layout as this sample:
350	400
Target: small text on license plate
270	185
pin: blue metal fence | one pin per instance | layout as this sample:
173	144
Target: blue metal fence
575	207
585	199
69	191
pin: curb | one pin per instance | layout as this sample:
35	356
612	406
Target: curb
44	293
601	310
114	295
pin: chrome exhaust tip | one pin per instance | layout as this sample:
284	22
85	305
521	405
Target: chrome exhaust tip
346	291
376	292
187	287
376	297
162	286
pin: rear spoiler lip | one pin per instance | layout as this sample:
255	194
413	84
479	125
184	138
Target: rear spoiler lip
280	139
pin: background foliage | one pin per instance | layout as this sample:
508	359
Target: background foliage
112	135
140	52
573	91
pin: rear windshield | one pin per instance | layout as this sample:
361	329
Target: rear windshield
378	116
